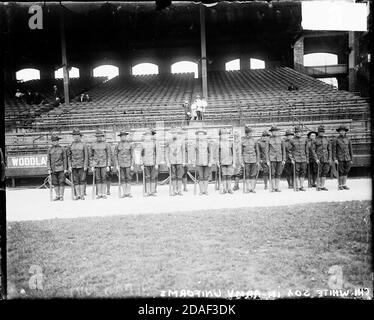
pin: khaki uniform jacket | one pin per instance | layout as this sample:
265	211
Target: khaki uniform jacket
78	156
226	155
56	159
149	153
323	149
100	155
288	147
204	152
250	152
342	149
176	152
299	151
123	154
263	148
277	151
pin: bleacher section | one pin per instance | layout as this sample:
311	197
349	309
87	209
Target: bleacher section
17	111
258	97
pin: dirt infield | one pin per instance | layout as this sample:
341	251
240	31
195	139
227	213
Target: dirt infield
282	249
33	204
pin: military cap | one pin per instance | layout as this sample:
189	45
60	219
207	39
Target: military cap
289	133
153	132
55	137
321	128
298	129
202	131
76	132
123	133
99	133
247	128
310	132
342	127
274	128
265	133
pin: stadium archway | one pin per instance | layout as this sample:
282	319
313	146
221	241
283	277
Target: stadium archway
256	63
320	59
73	73
232	65
28	74
144	69
185	66
106	70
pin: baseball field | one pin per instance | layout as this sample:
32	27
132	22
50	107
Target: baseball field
306	247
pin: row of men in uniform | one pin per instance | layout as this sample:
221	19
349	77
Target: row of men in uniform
270	154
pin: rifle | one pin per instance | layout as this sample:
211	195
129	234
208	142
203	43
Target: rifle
170	186
144	186
119	182
195	182
93	184
309	176
244	178
294	176
258	171
50	187
270	180
72	184
337	174
318	173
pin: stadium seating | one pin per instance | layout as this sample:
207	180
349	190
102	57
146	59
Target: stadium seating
257	97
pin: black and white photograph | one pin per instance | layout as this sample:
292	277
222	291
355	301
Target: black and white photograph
186	149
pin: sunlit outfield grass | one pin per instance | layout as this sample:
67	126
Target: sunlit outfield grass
290	247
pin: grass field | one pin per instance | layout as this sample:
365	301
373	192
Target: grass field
278	248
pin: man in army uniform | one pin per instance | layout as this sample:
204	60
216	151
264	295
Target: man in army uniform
313	166
176	160
277	157
124	161
77	154
149	165
323	150
288	167
57	167
263	148
299	154
342	154
100	156
2	167
239	169
226	159
250	155
204	160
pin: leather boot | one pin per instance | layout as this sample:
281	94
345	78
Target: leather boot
266	180
128	190
82	188
77	192
173	188
179	187
62	190
302	184
247	186
344	182
206	184
185	184
252	186
236	186
228	185
277	180
201	188
322	185
57	191
103	190
153	189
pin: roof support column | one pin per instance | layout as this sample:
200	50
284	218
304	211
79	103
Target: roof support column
64	58
203	59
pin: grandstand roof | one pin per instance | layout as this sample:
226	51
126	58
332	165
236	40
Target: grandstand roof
97	27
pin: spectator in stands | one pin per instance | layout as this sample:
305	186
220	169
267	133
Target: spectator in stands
292	87
87	97
38	98
19	95
187	111
202	107
84	98
56	95
29	97
196	108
